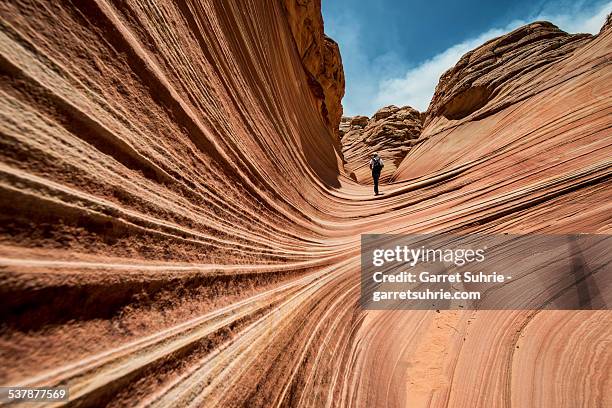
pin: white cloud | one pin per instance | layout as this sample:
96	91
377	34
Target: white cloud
415	86
579	22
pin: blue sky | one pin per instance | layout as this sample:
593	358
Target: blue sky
394	51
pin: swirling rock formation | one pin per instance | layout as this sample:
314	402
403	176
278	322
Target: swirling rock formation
391	132
177	228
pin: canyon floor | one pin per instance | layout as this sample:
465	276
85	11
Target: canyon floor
180	226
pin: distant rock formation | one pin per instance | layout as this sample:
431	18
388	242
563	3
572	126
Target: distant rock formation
391	132
320	56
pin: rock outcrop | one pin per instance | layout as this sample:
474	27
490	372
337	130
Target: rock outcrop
505	88
391	132
320	56
176	228
502	71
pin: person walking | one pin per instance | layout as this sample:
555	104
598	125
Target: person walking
376	165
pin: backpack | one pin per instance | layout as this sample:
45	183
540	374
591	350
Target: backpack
376	164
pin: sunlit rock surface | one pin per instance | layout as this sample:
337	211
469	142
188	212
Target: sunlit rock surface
178	228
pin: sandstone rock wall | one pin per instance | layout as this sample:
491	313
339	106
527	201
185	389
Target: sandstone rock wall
160	163
320	56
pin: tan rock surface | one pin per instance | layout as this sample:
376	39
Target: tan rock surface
177	229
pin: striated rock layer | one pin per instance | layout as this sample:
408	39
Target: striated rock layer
391	132
521	125
177	228
320	56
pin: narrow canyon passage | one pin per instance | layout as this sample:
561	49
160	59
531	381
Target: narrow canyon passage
179	228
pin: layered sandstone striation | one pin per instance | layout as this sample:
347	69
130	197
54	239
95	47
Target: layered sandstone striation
176	227
320	56
391	132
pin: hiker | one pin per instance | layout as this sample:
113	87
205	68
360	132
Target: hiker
376	165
